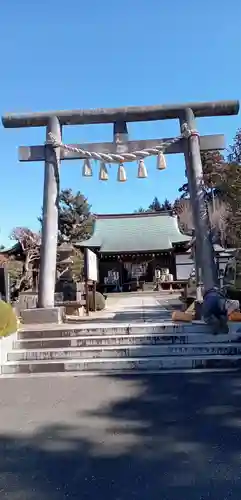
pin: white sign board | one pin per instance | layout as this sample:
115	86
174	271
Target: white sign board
184	266
91	264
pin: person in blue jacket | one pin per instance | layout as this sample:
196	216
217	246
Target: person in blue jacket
215	311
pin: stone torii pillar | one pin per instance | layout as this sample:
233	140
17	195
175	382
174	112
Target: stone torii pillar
204	248
48	253
191	145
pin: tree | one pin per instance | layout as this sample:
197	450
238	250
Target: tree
77	265
216	176
13	266
30	245
232	186
140	210
182	209
235	149
166	206
156	206
218	216
213	163
3	259
75	221
219	221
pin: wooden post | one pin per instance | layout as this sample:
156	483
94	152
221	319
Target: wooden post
94	295
87	305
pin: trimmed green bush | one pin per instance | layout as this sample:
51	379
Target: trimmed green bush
8	319
99	301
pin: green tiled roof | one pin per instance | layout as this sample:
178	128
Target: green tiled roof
135	233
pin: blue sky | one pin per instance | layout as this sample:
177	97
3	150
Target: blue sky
87	54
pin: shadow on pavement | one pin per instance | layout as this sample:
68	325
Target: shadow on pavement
164	437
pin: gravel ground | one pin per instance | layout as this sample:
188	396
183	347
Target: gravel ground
167	437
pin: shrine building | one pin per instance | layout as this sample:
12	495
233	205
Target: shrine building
131	247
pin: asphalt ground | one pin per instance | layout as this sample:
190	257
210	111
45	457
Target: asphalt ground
167	437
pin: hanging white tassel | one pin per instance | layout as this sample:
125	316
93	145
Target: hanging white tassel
103	174
87	169
161	161
121	174
142	171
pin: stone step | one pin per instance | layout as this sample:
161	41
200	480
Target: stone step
148	328
126	339
158	364
125	351
117	374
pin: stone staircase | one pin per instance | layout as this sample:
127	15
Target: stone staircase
123	348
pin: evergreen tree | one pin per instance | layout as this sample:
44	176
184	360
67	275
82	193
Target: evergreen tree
232	185
213	163
166	206
155	206
75	221
75	218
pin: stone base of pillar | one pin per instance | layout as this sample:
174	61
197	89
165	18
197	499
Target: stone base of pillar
42	315
198	310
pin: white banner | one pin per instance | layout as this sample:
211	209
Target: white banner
91	266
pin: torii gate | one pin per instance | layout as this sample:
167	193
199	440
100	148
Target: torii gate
120	150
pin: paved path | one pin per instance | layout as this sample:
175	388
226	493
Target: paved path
138	308
125	309
141	307
163	437
167	437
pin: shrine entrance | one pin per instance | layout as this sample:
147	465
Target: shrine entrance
122	150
